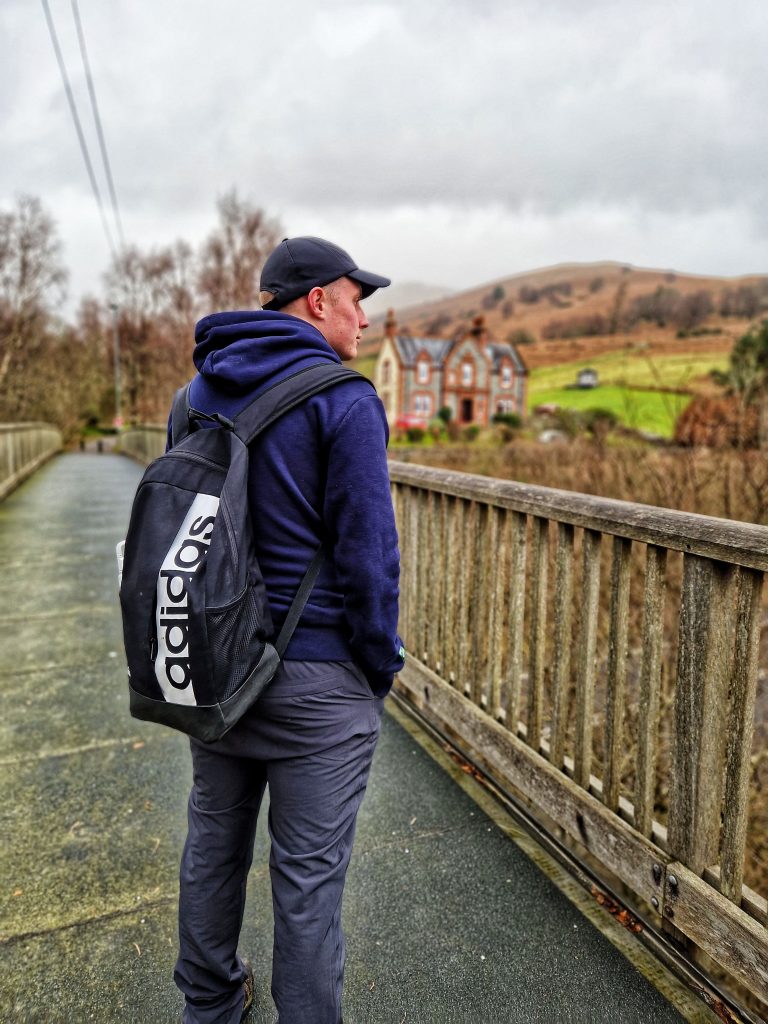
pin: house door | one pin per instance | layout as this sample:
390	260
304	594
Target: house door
467	410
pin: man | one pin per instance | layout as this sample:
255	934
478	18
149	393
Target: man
319	474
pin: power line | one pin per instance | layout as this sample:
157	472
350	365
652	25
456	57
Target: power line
78	127
97	120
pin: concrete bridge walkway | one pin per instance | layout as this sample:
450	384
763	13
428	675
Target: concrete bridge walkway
447	920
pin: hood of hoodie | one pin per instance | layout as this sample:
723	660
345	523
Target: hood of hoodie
240	352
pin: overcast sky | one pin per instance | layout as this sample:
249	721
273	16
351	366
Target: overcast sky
446	142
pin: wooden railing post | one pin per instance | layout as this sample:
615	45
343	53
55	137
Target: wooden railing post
701	698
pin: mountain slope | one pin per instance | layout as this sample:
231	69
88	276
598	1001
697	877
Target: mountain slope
576	311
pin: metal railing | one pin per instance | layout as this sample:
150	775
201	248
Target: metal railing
23	448
600	659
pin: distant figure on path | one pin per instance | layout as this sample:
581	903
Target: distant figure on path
319	474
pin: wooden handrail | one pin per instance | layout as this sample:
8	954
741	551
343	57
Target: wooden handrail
617	644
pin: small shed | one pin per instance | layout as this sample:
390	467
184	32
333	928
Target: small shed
587	378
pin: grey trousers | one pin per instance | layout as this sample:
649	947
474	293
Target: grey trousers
310	738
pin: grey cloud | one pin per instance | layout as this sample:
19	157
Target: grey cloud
549	105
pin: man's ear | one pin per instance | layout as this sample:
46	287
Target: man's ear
317	302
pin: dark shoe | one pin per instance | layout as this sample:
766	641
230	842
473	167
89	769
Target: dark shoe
247	989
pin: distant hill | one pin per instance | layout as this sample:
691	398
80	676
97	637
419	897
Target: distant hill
578	311
402	296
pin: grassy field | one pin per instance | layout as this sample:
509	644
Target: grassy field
364	365
654	411
633	368
627	382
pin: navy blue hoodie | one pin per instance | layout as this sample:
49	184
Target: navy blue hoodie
318	473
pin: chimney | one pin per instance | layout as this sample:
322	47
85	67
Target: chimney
390	327
478	329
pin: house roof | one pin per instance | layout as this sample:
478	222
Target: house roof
409	348
499	350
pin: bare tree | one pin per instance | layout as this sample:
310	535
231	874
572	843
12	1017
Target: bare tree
31	280
234	253
156	308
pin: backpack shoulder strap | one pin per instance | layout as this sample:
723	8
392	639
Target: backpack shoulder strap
261	413
287	394
180	414
300	600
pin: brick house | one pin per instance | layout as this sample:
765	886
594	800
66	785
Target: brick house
473	375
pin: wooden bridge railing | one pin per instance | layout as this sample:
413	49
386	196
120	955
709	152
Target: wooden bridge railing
600	658
24	447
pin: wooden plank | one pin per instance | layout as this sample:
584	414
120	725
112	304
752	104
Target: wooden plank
399	502
538	630
735	941
465	624
422	575
743	689
431	555
701	694
410	512
617	671
585	656
482	588
499	544
515	765
563	641
650	687
456	520
722	539
516	619
443	583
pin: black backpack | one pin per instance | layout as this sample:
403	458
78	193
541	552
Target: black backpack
196	621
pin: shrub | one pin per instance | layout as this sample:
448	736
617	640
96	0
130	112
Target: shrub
470	432
509	419
521	337
597	415
445	413
415	434
570	421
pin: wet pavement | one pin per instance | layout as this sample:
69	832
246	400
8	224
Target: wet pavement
447	920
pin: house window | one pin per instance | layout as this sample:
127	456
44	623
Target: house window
422	405
422	373
506	375
385	368
505	405
467	374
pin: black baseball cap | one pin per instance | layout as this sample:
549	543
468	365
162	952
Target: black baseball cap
298	265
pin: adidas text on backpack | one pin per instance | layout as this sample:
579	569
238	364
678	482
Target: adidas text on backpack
196	621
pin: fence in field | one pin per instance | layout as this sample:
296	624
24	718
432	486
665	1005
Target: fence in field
599	659
24	447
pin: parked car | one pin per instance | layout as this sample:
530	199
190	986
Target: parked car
406	421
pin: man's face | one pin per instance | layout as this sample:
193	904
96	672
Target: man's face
345	320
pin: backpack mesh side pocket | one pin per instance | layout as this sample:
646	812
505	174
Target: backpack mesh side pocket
236	636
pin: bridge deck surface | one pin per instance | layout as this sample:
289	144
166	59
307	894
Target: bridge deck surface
447	921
